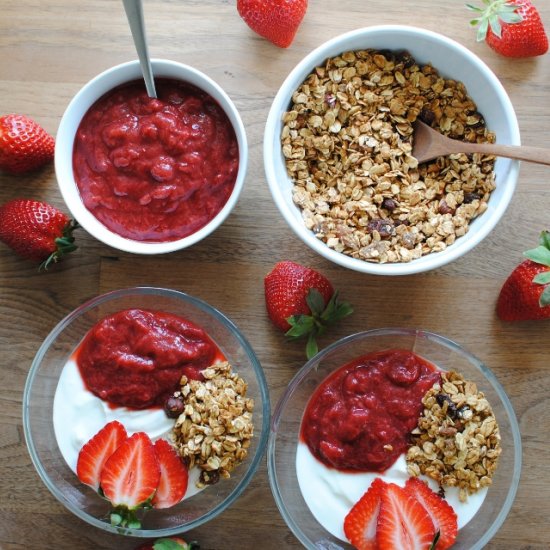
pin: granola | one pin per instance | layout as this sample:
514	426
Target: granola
457	440
215	428
347	143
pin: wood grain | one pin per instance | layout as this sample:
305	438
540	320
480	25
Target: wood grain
48	50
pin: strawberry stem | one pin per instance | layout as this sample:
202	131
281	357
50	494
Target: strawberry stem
64	245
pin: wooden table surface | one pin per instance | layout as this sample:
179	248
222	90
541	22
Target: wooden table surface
48	50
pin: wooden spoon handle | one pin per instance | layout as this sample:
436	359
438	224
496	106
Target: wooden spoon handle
530	154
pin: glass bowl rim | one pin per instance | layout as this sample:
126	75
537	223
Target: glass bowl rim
262	385
394	331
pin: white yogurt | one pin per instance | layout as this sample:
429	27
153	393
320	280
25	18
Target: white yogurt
78	415
330	494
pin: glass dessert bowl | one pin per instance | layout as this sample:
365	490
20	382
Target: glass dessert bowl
61	413
314	497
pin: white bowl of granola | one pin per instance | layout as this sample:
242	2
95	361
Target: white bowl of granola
338	142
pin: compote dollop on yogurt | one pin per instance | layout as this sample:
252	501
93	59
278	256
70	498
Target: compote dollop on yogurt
356	428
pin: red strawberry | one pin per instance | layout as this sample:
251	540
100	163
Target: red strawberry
441	512
513	28
302	301
130	478
36	230
169	543
525	295
173	476
361	521
95	453
24	144
276	20
403	523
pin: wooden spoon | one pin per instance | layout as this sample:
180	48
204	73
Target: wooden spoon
429	144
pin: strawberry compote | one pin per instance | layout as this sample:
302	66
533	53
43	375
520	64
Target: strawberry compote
360	417
151	169
136	358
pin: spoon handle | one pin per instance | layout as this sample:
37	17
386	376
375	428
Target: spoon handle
529	154
134	13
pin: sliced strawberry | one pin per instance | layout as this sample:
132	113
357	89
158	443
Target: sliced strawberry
173	476
441	512
360	523
130	478
403	523
95	453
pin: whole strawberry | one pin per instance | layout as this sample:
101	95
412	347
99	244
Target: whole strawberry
525	295
513	28
24	144
302	302
276	20
36	230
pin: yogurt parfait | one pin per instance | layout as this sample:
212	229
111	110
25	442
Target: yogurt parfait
148	412
393	449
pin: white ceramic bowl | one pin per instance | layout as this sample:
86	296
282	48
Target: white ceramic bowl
78	107
452	60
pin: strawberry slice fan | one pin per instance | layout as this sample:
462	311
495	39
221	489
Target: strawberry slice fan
389	517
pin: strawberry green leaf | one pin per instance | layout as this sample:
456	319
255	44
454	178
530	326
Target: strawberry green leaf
342	310
544	299
315	301
494	23
335	310
542	278
540	255
511	17
166	544
544	239
330	309
482	30
300	325
311	347
116	519
473	8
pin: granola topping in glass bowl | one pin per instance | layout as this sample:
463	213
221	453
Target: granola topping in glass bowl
457	440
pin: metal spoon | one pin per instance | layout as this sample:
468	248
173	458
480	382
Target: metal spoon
134	13
429	144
